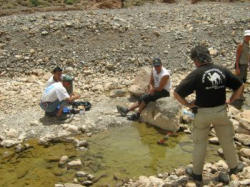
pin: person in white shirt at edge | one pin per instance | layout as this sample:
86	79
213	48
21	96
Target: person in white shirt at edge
56	94
57	76
159	86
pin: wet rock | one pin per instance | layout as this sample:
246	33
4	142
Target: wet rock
9	143
81	174
140	84
87	183
90	176
163	114
46	139
81	143
74	164
59	185
243	138
72	185
214	140
245	152
63	160
19	148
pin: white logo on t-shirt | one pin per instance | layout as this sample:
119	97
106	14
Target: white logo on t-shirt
213	79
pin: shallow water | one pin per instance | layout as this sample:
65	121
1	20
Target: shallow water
120	153
133	151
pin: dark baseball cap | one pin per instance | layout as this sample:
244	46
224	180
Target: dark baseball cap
157	62
57	69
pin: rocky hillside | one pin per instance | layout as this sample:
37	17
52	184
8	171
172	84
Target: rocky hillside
120	40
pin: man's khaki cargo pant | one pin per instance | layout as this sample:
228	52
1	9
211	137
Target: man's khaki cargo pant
224	131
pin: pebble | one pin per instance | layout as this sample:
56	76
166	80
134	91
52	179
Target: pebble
75	164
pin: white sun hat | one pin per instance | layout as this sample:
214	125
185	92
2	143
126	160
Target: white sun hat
247	33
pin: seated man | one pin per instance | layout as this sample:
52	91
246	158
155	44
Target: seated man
56	94
159	86
57	76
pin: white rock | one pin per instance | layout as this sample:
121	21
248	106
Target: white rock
190	184
9	143
81	143
246	172
221	164
213	52
245	182
71	128
245	152
154	181
63	160
12	133
72	185
75	164
243	138
143	181
45	33
234	183
214	140
59	185
81	174
34	123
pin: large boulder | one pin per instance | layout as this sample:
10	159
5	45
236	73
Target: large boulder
140	84
164	113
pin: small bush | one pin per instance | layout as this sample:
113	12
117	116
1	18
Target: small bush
34	2
69	2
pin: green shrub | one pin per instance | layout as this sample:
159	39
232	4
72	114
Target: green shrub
69	2
35	2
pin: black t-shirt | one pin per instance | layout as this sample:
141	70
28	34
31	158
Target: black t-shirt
209	82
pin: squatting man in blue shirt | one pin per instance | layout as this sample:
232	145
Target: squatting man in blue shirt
56	94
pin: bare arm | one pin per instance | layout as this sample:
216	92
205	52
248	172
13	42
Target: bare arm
183	101
72	98
151	82
238	53
236	94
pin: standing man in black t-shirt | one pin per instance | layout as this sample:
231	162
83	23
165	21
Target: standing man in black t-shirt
209	82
